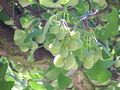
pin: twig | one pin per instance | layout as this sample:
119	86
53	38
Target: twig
96	13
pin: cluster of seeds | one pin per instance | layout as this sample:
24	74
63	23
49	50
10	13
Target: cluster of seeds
63	41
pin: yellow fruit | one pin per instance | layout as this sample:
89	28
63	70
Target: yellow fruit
54	29
99	52
69	62
46	46
96	55
80	43
54	47
40	38
72	45
35	46
64	53
89	61
82	57
117	63
60	35
75	34
58	61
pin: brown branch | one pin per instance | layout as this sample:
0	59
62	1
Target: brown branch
94	14
81	81
3	53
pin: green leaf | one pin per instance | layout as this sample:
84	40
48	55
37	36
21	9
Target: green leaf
9	77
53	74
49	37
27	20
4	16
3	69
36	86
25	3
48	23
50	3
33	34
106	55
27	88
99	71
72	3
63	81
35	75
19	37
111	28
6	85
78	61
117	49
9	22
64	1
30	36
28	43
45	15
20	40
48	87
100	2
103	76
81	8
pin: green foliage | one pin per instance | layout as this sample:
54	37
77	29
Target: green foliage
36	86
111	29
24	46
99	71
27	20
70	62
71	33
63	81
3	15
6	85
25	3
53	74
3	68
58	61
